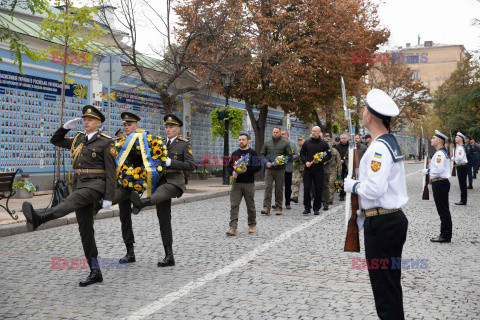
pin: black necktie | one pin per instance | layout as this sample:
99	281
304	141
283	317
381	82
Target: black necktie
168	143
86	139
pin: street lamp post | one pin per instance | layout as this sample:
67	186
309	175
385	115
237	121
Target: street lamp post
227	85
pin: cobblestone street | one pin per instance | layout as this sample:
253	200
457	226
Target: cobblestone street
293	268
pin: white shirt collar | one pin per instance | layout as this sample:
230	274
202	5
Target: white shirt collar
172	139
91	135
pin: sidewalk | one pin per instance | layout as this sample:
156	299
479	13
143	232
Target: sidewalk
197	190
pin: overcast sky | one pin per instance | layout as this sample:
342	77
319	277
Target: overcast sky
440	21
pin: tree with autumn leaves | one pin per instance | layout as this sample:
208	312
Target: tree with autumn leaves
294	53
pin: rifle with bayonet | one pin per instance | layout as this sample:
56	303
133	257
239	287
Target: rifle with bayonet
426	178
352	241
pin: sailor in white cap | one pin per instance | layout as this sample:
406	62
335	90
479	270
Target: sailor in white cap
382	191
439	171
460	161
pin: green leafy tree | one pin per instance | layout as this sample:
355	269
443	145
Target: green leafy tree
18	45
74	28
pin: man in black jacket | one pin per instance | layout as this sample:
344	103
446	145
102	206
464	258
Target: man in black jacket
244	185
313	171
342	148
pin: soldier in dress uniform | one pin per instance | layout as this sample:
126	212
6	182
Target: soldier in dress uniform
469	152
122	195
382	191
93	160
476	157
461	166
171	185
439	171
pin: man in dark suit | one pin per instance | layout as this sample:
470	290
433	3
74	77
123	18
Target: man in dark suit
93	160
171	185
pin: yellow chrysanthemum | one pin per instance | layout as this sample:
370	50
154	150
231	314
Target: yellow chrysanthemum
124	167
149	137
136	176
164	159
130	185
138	187
145	185
159	168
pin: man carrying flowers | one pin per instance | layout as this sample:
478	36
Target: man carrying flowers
171	184
244	183
272	151
315	152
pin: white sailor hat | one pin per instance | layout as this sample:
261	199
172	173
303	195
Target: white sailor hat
381	104
440	135
460	135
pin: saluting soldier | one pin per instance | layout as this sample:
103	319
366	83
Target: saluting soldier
439	171
122	195
382	191
461	166
171	185
93	160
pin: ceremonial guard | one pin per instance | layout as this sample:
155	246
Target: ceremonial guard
382	192
469	152
439	172
93	161
122	195
314	172
461	166
171	185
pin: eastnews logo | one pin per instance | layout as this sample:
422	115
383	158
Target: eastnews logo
59	263
392	263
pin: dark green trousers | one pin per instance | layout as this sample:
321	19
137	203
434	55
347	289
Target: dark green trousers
81	201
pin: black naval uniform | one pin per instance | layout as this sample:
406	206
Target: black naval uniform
315	173
93	161
171	185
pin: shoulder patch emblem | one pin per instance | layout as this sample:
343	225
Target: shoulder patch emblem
460	153
439	160
378	155
375	165
190	151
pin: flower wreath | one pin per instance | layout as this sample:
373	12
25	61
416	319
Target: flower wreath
154	153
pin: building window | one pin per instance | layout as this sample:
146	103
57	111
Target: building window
412	59
415	75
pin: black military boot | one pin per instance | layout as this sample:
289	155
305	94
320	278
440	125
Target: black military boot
95	273
138	203
325	206
168	260
97	206
35	219
470	186
474	176
130	256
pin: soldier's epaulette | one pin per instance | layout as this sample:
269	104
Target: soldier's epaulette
80	132
182	139
106	136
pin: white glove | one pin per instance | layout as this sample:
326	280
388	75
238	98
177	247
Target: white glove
106	204
348	184
69	125
168	162
425	171
360	219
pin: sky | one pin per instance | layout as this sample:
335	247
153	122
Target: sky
440	21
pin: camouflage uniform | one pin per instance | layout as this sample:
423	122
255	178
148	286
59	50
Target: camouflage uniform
331	168
298	168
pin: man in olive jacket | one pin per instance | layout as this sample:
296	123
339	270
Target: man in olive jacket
277	146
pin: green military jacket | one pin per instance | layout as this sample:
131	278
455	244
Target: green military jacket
274	148
97	154
333	165
181	155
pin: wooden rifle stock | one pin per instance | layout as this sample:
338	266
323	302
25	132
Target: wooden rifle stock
426	195
454	172
352	241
